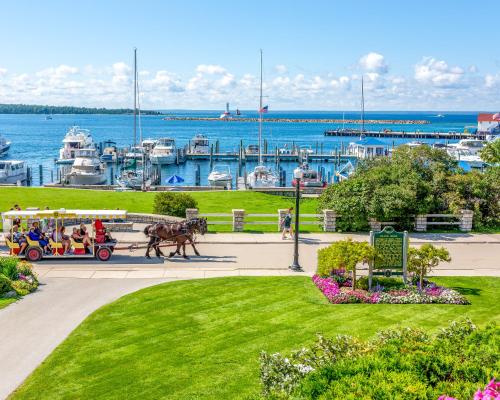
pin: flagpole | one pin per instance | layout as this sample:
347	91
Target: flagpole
260	112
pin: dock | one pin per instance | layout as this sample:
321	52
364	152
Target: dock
406	135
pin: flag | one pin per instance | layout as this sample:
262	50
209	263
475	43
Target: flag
264	109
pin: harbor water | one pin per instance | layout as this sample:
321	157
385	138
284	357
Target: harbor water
37	140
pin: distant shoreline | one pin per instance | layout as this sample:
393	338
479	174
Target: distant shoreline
49	110
307	120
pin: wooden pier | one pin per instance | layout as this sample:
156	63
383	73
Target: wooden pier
406	135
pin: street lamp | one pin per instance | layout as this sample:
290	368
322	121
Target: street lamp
297	174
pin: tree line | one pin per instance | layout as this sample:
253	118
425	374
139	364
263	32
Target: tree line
44	109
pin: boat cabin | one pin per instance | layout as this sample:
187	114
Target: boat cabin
367	148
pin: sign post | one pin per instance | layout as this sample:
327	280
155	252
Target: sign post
392	253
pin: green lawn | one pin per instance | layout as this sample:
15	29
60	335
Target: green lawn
6	302
208	202
202	338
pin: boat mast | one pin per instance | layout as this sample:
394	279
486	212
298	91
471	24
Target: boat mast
135	96
260	112
362	106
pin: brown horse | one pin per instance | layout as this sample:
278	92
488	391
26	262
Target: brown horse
177	232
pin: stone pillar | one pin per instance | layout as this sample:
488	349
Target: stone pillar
466	217
329	221
192	213
374	224
281	214
421	223
238	220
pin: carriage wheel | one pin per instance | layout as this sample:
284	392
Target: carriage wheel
33	254
103	254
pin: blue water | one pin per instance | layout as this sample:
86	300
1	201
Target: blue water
38	140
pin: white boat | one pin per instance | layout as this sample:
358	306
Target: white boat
164	152
4	146
221	176
310	177
465	155
75	139
87	169
415	143
199	144
473	145
149	144
130	179
262	176
12	171
252	149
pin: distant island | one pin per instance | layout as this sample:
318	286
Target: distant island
39	109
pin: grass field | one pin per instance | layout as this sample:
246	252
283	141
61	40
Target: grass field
6	302
202	338
208	202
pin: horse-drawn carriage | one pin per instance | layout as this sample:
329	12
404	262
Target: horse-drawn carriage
54	244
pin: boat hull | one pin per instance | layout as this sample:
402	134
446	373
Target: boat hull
163	160
13	179
89	179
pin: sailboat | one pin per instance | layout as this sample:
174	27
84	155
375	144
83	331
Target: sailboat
132	178
262	176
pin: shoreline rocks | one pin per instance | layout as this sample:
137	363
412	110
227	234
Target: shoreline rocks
307	120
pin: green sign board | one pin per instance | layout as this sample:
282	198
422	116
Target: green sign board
391	249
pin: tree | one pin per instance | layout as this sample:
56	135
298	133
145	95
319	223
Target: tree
422	260
491	152
345	254
411	182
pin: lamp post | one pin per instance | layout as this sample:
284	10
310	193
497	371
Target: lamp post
297	174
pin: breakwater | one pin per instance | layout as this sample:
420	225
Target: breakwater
308	120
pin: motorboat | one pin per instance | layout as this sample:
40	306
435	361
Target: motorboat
164	152
149	144
262	177
252	149
199	144
310	177
109	152
13	171
130	179
75	139
439	145
473	145
415	143
221	176
465	155
4	146
87	169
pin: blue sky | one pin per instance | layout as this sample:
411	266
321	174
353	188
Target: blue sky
198	54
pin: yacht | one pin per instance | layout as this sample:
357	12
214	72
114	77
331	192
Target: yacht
12	171
87	169
473	145
221	176
149	144
76	138
164	152
110	152
310	177
262	176
199	144
4	146
465	155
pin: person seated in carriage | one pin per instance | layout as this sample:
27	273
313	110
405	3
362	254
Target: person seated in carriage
60	236
18	237
101	233
36	235
79	238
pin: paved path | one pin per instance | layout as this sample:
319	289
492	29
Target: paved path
32	327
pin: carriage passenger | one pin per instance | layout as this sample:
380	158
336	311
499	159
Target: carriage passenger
59	236
36	235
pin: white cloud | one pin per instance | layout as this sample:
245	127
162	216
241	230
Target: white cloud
374	62
3	71
438	73
281	69
210	69
61	71
491	80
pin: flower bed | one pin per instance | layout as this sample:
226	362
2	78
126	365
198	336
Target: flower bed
339	293
16	277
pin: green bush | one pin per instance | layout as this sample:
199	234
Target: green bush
387	283
5	284
402	363
8	267
22	288
174	204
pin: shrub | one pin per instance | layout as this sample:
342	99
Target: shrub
8	267
403	363
5	284
22	287
174	204
422	260
344	254
381	281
